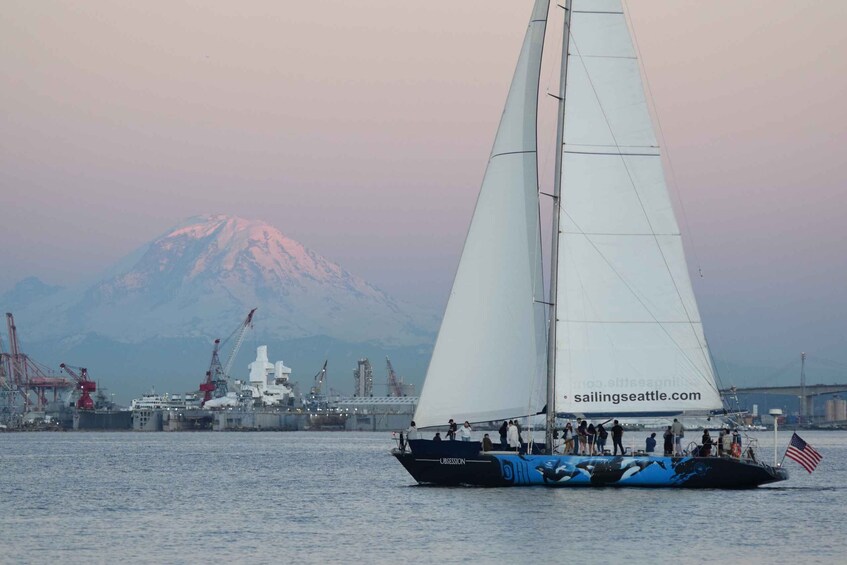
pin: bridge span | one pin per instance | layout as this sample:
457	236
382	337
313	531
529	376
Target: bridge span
805	393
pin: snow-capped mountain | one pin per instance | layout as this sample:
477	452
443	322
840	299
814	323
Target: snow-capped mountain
200	279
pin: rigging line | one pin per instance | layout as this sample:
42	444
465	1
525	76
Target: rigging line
594	12
606	144
635	190
714	368
677	191
542	168
611	153
598	322
537	259
513	152
555	33
792	364
649	311
613	234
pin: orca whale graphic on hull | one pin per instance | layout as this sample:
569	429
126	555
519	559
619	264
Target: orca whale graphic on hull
606	471
556	471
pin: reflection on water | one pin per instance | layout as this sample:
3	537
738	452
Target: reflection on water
317	497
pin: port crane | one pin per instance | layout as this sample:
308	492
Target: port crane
395	388
23	377
217	377
319	380
316	400
84	385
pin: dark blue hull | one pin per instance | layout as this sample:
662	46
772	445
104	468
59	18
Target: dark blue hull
462	463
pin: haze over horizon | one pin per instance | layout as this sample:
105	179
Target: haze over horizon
362	130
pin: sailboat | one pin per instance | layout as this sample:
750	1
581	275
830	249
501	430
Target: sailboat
619	334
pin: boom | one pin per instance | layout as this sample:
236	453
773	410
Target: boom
248	322
393	383
319	380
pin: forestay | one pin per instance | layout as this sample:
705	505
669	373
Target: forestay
629	337
488	362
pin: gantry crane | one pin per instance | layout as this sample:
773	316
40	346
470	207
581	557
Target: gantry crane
83	385
22	374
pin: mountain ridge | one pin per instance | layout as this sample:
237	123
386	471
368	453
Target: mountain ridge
205	274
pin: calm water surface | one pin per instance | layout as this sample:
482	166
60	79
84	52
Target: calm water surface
326	497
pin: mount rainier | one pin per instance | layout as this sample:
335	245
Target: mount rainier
196	282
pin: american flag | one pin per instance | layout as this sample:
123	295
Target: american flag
803	453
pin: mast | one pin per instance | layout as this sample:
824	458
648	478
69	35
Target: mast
554	248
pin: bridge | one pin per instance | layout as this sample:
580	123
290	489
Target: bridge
805	393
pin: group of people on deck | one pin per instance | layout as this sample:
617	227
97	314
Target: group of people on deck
673	438
510	435
588	439
728	444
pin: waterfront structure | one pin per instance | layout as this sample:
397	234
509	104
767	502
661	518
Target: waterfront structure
836	410
363	378
269	383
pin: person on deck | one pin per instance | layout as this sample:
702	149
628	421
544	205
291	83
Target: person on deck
726	443
582	432
617	437
504	431
451	429
514	442
591	438
437	436
602	436
651	443
678	433
568	437
706	450
720	442
486	443
668	441
465	432
412	432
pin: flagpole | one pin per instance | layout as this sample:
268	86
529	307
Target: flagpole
776	413
786	449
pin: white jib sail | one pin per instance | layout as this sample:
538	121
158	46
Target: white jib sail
488	361
629	336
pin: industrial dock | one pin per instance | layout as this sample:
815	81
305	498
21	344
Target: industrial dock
37	399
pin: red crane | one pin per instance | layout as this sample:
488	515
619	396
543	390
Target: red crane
215	385
26	376
83	385
214	376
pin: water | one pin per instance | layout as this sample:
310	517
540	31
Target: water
325	497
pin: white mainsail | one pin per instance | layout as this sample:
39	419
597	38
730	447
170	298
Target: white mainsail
489	360
628	336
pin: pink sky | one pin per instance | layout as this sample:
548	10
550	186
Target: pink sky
362	129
